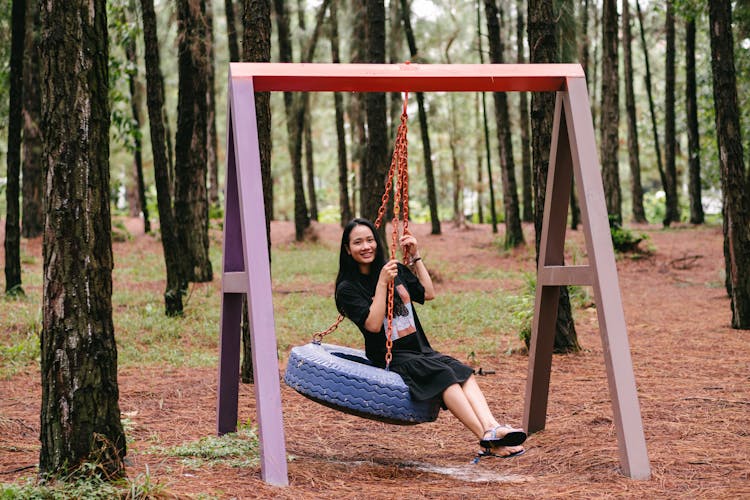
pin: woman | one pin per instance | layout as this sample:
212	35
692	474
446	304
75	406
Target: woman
361	296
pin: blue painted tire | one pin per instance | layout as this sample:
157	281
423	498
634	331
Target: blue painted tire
344	379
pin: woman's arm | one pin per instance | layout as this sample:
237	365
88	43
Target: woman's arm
423	275
374	320
410	248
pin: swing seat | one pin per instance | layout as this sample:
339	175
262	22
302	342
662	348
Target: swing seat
344	379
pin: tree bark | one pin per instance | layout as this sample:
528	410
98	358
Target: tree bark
567	32
212	143
377	125
307	125
357	112
257	34
735	181
523	113
691	110
670	141
493	213
234	50
80	414
395	56
654	128
155	103
636	189
429	169
610	112
513	229
15	126
191	199
293	128
543	49
459	218
135	108
338	100
32	215
257	48
585	41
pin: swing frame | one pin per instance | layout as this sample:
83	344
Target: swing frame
573	155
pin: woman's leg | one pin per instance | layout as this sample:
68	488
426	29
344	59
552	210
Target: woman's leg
479	404
455	399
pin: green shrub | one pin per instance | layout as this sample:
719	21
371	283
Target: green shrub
624	240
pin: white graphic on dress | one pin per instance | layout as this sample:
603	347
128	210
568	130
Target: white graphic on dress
403	320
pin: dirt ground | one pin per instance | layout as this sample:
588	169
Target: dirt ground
692	371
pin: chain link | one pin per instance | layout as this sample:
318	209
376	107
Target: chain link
398	170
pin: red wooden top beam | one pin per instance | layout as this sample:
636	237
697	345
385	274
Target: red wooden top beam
406	77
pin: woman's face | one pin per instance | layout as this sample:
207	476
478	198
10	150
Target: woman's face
362	246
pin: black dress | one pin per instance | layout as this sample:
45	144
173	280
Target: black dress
426	372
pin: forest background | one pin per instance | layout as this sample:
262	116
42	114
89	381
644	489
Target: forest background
446	32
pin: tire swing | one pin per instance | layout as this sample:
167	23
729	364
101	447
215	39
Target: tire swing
343	378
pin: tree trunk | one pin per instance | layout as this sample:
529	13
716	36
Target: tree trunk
257	48
479	159
167	224
257	33
80	414
691	109
610	112
429	170
513	229
543	49
307	127
293	128
593	85
459	218
654	128
567	32
191	200
357	112
344	207
212	143
735	181
234	51
395	56
636	189
32	216
670	141
585	41
15	125
523	113
135	107
493	214
377	128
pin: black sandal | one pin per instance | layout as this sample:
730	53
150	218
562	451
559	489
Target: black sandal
512	438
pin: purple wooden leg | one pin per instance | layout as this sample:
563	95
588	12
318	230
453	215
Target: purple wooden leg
229	363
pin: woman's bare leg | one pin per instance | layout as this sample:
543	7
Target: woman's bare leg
479	404
458	404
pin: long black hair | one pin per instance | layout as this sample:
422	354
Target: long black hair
348	267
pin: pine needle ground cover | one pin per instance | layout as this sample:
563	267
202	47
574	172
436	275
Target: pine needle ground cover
690	367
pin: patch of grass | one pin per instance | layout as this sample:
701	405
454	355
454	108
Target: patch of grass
237	449
298	316
471	322
310	262
88	486
20	348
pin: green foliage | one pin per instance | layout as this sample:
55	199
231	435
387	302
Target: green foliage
624	240
239	449
86	485
121	32
20	348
